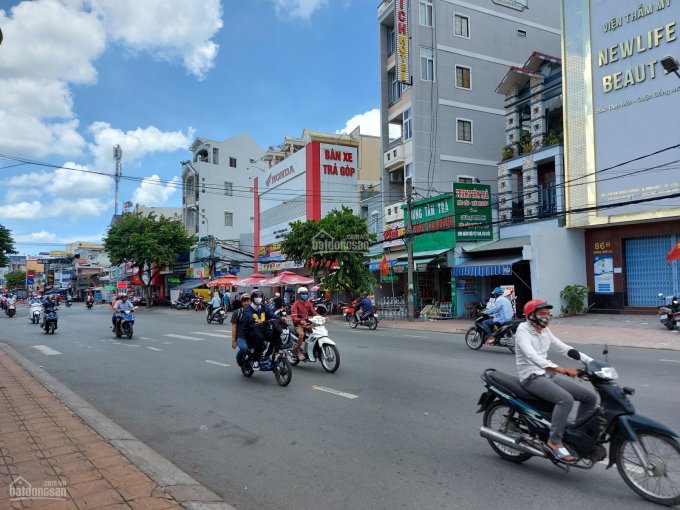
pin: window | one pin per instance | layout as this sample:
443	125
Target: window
228	188
464	130
466	179
395	89
461	26
232	162
521	33
228	219
374	222
391	41
463	77
216	156
407	131
426	13
426	64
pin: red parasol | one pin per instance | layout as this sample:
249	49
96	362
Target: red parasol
223	281
288	278
255	279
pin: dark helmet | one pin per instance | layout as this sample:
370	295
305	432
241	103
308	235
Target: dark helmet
256	293
497	292
364	294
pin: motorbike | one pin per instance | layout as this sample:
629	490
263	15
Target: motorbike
669	311
370	320
50	321
34	311
275	357
68	303
349	309
124	327
218	315
316	346
646	453
11	310
184	304
89	304
504	335
322	306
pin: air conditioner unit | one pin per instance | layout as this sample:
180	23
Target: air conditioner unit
396	177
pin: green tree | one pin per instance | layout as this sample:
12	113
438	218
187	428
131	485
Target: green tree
342	237
6	246
15	279
148	243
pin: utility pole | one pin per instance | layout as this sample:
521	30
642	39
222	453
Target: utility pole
117	155
409	249
212	263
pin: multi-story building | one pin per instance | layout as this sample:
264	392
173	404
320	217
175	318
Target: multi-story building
442	120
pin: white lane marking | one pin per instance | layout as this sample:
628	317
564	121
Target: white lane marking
671	360
207	334
144	338
223	330
168	343
334	392
183	337
131	345
217	363
154	348
47	351
415	336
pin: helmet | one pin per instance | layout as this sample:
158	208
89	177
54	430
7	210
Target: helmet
256	293
498	291
364	294
123	296
535	304
302	290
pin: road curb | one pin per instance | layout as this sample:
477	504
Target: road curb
186	490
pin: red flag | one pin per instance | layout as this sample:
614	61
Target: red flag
200	276
674	253
384	266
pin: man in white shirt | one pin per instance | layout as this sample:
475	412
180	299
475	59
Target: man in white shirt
541	377
215	303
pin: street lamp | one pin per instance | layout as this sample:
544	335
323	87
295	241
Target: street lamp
670	65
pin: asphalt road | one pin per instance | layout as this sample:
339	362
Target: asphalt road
409	439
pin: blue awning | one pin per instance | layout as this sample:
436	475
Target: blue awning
191	284
487	266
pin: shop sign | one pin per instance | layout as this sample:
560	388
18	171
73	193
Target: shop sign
389	278
275	177
393	234
403	40
429	209
174	280
338	160
472	207
394	212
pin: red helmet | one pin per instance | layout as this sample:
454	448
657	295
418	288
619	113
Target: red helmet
535	304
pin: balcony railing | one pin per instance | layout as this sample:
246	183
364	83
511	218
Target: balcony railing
394	157
547	201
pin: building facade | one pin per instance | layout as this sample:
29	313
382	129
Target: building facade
621	95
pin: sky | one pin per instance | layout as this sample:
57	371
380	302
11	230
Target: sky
78	77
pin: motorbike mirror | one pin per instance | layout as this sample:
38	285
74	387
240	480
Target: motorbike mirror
574	354
660	295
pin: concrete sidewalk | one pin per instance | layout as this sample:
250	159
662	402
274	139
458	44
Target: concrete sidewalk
52	459
623	330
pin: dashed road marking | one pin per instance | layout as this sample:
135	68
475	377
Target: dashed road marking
153	348
217	363
47	351
131	345
415	336
207	334
144	338
335	392
184	337
671	360
168	343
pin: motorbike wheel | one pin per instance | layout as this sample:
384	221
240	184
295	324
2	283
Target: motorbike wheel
220	320
51	328
669	325
127	330
501	418
509	342
283	371
330	358
353	322
292	358
247	369
372	323
208	318
663	453
473	339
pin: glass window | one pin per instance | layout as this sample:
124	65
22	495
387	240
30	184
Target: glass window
461	26
216	156
426	13
468	179
228	219
232	162
464	130
374	222
407	131
395	89
462	77
426	64
521	33
391	41
228	188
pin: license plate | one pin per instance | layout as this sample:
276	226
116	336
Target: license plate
376	316
663	317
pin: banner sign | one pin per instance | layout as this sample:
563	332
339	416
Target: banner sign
403	41
472	208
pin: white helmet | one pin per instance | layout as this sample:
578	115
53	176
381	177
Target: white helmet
302	290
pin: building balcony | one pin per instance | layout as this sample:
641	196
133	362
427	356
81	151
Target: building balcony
391	61
190	200
384	6
396	109
394	157
191	230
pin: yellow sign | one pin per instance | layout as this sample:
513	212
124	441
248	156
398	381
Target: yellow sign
403	44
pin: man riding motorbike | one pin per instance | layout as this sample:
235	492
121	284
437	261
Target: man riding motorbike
277	302
253	319
364	307
540	376
502	307
215	303
123	305
49	305
238	332
301	310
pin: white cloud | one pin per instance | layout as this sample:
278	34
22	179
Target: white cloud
172	29
298	8
36	237
368	122
21	211
59	208
69	182
152	192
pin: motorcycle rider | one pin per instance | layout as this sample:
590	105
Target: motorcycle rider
215	303
123	305
49	305
543	378
90	299
502	307
253	319
277	302
364	307
238	332
301	310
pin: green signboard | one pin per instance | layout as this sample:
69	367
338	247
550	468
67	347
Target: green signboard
433	223
472	212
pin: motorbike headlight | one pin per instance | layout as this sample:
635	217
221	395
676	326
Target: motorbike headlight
608	373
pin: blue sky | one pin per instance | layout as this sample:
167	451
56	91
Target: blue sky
79	76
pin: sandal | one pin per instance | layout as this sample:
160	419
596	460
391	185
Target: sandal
490	341
301	356
561	453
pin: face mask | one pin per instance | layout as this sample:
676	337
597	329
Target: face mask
304	297
541	321
257	300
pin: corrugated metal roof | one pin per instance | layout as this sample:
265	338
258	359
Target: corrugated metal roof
512	243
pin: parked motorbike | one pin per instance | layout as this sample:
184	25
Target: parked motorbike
50	321
34	311
316	346
217	315
274	350
646	452
504	335
370	320
669	311
184	304
124	327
